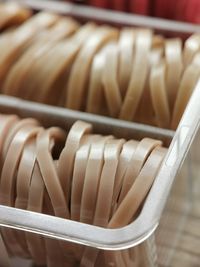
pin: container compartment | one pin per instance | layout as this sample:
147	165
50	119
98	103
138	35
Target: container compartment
141	255
158	249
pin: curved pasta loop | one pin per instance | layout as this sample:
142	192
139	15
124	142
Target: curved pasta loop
7	123
80	165
94	169
54	189
49	73
106	186
159	95
191	47
78	130
140	187
141	153
23	181
60	56
48	171
79	76
174	68
105	194
16	82
13	155
95	96
111	86
8	180
16	42
145	112
124	162
138	190
188	82
126	56
92	178
138	76
17	125
43	251
35	203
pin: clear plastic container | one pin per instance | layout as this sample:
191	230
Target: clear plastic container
166	231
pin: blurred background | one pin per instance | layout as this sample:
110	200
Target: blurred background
181	10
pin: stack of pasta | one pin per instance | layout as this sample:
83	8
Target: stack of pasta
129	73
75	175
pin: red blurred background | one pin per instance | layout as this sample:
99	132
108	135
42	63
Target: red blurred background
182	10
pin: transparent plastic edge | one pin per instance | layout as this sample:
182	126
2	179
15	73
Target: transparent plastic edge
24	108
